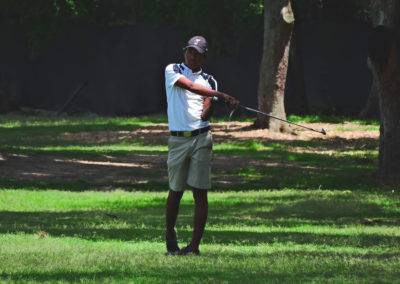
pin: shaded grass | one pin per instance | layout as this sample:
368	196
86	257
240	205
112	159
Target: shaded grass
110	262
283	236
125	214
141	262
303	178
81	185
283	152
85	122
14	128
252	148
78	149
301	164
261	227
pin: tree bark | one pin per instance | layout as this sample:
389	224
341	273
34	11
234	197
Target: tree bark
371	108
274	65
384	57
296	100
4	103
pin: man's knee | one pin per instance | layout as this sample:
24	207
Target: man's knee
199	195
175	195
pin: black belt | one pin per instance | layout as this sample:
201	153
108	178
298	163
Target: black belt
190	133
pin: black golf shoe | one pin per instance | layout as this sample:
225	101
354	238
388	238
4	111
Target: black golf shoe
172	245
187	251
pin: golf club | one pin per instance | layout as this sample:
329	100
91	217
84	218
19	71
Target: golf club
216	99
322	131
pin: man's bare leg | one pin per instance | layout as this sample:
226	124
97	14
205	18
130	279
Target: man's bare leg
173	201
200	217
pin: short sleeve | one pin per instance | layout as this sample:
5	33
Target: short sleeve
172	74
213	83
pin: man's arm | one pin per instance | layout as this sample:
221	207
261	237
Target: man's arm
186	84
208	109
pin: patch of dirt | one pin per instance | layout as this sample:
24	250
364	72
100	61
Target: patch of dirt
143	168
121	169
229	131
155	134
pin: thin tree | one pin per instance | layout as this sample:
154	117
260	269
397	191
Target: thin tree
384	60
278	27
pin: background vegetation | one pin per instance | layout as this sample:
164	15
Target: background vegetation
225	21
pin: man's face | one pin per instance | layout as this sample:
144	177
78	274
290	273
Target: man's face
194	59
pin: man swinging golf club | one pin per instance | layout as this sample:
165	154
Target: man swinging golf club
189	96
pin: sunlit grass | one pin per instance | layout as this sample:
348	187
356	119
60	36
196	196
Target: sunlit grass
252	146
15	121
62	201
17	127
86	150
280	235
332	119
141	262
357	128
292	212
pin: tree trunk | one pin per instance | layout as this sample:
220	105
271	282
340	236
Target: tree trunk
371	108
296	99
4	105
384	57
274	64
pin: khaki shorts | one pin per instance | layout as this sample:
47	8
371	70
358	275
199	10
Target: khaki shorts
189	161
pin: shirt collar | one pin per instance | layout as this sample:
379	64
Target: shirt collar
190	70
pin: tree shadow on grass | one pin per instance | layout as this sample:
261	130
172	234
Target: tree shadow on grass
24	131
239	180
258	274
124	221
317	207
299	170
81	185
332	143
300	176
255	238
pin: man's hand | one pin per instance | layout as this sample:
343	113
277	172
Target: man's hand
186	84
230	101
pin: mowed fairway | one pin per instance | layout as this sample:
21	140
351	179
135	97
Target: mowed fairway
83	200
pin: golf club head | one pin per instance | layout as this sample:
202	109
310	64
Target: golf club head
232	112
229	120
323	131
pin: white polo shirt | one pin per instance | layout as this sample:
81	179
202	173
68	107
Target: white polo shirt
185	107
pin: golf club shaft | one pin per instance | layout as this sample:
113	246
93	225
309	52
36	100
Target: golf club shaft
281	119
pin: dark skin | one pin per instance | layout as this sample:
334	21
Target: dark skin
194	60
208	109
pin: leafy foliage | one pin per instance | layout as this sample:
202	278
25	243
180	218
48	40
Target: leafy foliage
333	10
221	21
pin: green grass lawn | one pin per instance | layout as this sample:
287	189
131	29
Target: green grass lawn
315	217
